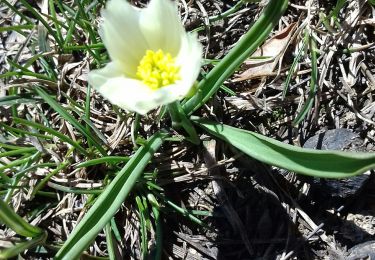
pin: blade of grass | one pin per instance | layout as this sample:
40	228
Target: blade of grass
16	223
33	167
242	50
37	15
12	147
84	47
24	132
89	124
59	109
18	151
19	248
110	200
34	158
74	190
3	176
115	230
52	132
184	212
17	28
313	84
57	25
17	11
110	242
44	181
24	73
294	64
86	24
158	226
105	159
18	99
142	227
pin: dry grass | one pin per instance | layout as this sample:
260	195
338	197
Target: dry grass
232	206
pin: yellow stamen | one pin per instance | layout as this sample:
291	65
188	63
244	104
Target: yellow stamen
158	69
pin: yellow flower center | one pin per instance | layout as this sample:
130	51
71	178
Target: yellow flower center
158	69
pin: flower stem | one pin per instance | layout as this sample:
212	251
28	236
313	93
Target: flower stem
180	120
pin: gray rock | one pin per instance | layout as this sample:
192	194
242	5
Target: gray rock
362	251
345	140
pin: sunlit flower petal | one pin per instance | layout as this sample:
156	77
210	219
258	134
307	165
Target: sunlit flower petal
154	61
162	16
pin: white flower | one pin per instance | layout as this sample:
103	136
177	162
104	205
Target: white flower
154	61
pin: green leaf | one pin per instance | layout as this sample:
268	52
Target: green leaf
22	246
313	84
52	132
39	17
317	163
105	159
109	201
110	242
17	99
59	109
16	223
242	50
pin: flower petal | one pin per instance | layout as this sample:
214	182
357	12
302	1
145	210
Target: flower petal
161	26
129	94
121	34
189	59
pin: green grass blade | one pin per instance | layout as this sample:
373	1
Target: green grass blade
43	182
38	16
110	242
57	25
313	84
17	11
243	49
22	246
59	109
183	211
24	73
74	190
17	28
142	227
294	65
109	201
16	223
84	47
105	159
18	151
5	178
15	130
52	132
317	163
158	229
17	99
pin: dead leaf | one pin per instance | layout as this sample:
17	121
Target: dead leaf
272	50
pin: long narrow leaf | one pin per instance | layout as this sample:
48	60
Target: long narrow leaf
22	246
17	99
317	163
59	109
313	84
109	201
243	49
16	223
52	132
